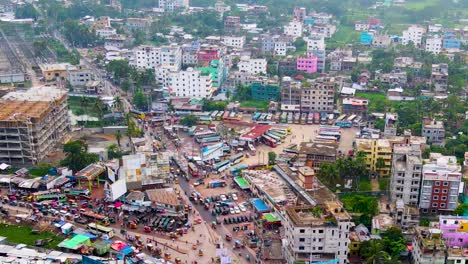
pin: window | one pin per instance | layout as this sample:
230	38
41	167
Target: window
435	198
320	231
445	183
436	190
442	205
437	183
444	191
434	204
301	248
301	239
302	231
443	198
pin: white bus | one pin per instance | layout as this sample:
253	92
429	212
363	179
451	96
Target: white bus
101	230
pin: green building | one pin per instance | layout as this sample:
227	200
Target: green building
262	92
216	70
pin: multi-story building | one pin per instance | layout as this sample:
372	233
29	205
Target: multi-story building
318	95
269	92
80	76
356	106
440	183
56	71
428	246
299	13
234	42
307	64
173	5
361	26
316	46
451	42
433	131
137	23
413	34
390	128
376	150
406	216
216	70
116	41
32	122
455	236
319	233
439	77
190	54
290	95
433	44
381	41
294	29
208	53
232	24
252	66
275	45
150	57
325	29
191	83
316	153
105	32
287	66
406	173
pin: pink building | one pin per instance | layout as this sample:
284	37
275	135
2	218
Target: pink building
307	64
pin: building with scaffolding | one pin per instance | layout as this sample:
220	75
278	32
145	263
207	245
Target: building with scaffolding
31	123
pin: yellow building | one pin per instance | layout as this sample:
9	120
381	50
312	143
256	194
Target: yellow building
56	71
375	150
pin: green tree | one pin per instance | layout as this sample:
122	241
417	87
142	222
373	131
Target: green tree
79	34
394	241
271	158
114	152
26	11
118	104
119	68
140	100
372	250
380	124
243	93
210	105
77	156
125	86
460	210
189	120
380	164
118	137
39	46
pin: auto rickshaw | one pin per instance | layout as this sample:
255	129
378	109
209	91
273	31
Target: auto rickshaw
228	237
194	246
200	252
147	229
172	235
158	251
197	221
133	225
213	224
178	260
167	256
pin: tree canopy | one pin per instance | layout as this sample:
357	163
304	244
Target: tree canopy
77	156
189	120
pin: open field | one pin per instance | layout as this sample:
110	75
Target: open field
23	235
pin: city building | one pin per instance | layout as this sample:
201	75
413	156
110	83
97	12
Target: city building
290	95
451	42
307	64
316	46
294	29
207	53
252	66
190	54
376	150
105	32
232	24
145	171
32	122
381	41
55	71
306	177
357	236
414	34
191	83
299	13
406	173
434	44
441	176
406	217
315	153
80	76
366	38
390	128
318	233
216	70
267	92
318	95
173	5
276	45
234	42
433	130
361	26
116	41
356	106
428	246
287	66
150	57
439	77
136	23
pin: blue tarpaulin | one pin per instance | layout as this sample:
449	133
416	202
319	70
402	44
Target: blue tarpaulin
91	236
260	205
126	250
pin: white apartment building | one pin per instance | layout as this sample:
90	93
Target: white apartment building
190	83
434	28
441	181
433	44
105	32
315	42
173	5
406	173
320	237
414	34
80	76
150	57
294	29
252	66
361	26
234	42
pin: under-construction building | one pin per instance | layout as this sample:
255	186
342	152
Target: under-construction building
31	123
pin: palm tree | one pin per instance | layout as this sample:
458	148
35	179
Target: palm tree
372	251
84	102
118	103
379	164
98	108
118	136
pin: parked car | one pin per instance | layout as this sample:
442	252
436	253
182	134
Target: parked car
223	197
237	210
232	211
234	197
242	208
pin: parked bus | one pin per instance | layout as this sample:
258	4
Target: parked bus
341	117
327	139
269	141
53	194
78	193
236	158
284	117
137	114
214	114
101	230
297	118
193	170
256	116
310	118
208	139
336	135
252	149
303	118
226	115
351	118
316	118
278	134
91	216
219	116
221	166
290	117
343	124
276	138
